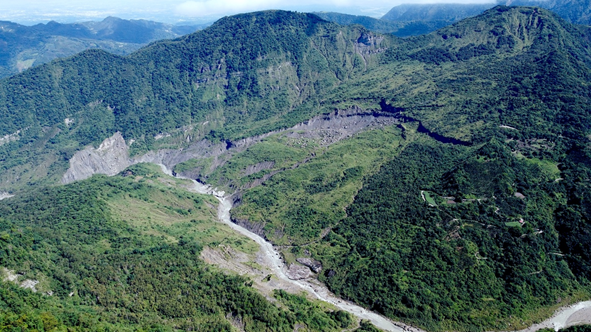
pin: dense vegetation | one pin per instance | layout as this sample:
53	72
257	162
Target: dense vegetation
245	73
22	47
510	153
435	219
472	213
98	271
399	29
495	225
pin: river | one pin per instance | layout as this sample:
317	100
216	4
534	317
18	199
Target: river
564	317
275	263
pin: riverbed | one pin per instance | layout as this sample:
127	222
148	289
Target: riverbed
579	313
273	261
576	314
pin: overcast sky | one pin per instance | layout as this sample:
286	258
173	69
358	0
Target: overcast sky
173	11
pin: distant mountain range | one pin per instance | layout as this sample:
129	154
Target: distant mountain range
574	11
22	47
450	12
398	28
441	180
416	19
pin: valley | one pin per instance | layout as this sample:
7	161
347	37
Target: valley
274	263
326	178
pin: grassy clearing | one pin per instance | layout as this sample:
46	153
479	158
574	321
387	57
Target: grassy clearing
274	149
192	164
298	204
429	199
513	224
548	167
162	210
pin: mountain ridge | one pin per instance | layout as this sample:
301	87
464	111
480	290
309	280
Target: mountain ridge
436	217
24	46
574	11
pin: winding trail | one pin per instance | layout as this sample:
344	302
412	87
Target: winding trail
275	263
561	319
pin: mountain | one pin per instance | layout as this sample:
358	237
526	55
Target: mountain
417	19
95	267
24	46
574	11
440	180
447	12
399	29
244	79
135	31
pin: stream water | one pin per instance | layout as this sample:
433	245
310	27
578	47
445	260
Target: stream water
275	263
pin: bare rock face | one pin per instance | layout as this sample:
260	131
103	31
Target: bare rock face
5	195
313	264
298	272
253	169
257	228
110	158
171	157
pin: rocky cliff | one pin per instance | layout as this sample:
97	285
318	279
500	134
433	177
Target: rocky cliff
110	158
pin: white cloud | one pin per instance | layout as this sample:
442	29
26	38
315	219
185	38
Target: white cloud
217	7
184	10
203	8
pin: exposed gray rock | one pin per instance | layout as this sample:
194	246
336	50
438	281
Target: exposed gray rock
5	195
257	228
313	264
339	125
253	169
298	272
10	275
110	158
30	284
10	137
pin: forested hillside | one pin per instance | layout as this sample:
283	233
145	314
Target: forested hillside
98	267
441	180
574	11
479	192
22	47
250	74
399	29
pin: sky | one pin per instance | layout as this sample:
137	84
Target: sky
176	11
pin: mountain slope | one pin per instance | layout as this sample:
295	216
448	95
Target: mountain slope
400	29
446	211
434	12
574	11
246	70
122	254
442	179
22	47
